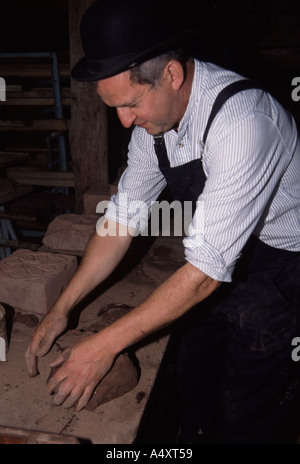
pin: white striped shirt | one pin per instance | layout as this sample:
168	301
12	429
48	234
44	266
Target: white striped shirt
252	163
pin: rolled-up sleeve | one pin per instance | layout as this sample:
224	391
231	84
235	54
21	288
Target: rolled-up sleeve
140	184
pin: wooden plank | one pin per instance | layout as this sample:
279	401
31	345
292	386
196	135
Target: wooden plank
34	101
29	149
15	123
35	125
16	95
12	158
17	91
13	88
32	70
31	176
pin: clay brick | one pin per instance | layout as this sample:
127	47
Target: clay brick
3	334
32	280
70	232
92	197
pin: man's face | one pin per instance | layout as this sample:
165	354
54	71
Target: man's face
155	109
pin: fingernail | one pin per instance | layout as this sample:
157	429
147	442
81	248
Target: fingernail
58	399
78	407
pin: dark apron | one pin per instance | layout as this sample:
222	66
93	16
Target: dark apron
235	372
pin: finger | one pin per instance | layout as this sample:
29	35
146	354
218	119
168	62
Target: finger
39	346
63	390
85	397
30	355
60	359
53	383
73	396
43	348
31	362
59	397
44	344
70	401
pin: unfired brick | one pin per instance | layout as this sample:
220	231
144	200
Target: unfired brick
70	232
32	281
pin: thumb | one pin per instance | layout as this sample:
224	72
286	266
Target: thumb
43	348
45	344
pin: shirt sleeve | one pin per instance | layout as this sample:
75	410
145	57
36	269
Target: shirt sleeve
244	165
140	184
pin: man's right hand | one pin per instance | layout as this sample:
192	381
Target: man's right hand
46	332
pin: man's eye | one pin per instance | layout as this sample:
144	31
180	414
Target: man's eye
134	105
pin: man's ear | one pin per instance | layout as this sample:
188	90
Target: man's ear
175	74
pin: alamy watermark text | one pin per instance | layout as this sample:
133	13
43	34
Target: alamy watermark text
166	218
296	90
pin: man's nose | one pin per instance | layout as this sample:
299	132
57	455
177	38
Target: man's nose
126	116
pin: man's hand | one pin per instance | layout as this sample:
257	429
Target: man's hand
44	335
81	367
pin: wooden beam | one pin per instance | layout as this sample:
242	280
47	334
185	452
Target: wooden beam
88	124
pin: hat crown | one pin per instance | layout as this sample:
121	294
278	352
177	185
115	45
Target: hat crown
115	28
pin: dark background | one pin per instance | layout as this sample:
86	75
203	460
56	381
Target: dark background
258	38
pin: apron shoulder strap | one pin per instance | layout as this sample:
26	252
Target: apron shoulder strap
224	95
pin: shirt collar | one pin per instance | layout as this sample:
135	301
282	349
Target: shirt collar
193	100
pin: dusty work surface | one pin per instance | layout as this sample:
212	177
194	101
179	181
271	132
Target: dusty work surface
24	402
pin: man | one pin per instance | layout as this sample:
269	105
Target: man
241	172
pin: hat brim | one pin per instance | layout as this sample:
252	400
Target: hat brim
88	70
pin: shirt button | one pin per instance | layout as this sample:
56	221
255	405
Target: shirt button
181	145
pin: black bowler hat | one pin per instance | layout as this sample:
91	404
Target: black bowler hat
117	35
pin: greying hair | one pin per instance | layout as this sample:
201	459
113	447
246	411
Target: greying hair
151	71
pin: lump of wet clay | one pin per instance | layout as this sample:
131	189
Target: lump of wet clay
122	377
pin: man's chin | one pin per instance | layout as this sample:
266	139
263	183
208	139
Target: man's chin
153	130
